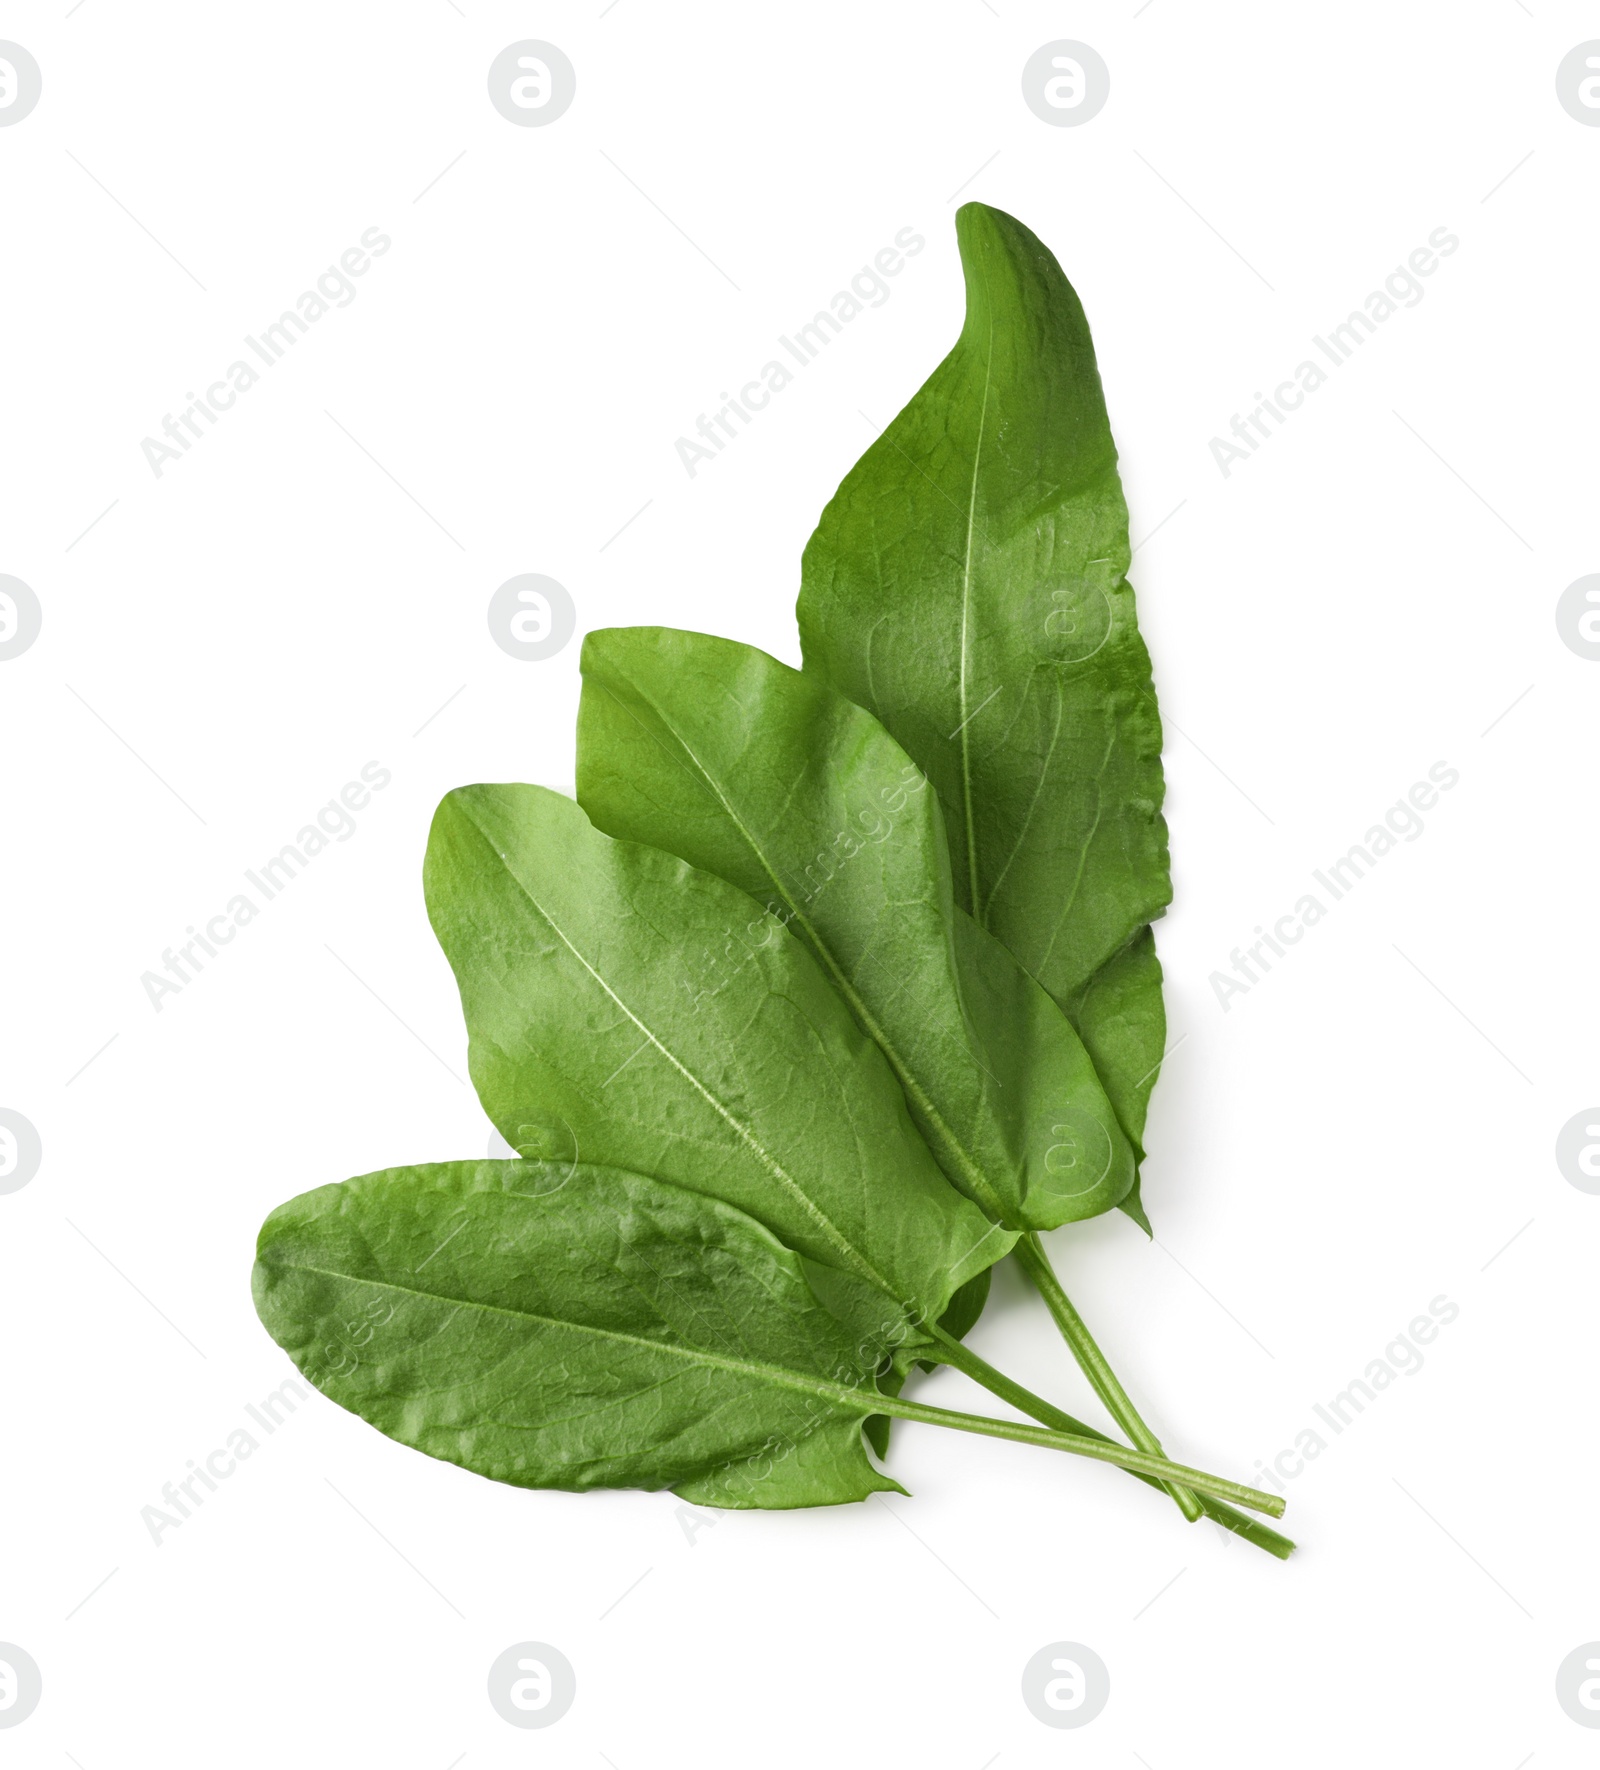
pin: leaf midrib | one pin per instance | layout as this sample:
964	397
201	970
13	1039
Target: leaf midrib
964	729
776	1375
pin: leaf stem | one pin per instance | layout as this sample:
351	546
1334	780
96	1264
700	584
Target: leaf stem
1035	1262
1102	1451
964	1359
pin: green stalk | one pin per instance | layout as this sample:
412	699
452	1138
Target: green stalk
1035	1262
1102	1451
965	1360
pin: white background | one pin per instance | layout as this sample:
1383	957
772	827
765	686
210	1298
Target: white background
1367	1129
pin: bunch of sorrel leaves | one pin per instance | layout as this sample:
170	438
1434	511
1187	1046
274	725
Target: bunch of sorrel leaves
833	988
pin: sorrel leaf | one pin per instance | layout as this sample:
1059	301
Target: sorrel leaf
567	1326
967	584
627	1009
749	769
581	1328
612	1332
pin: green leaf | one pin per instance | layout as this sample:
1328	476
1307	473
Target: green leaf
568	1326
577	1327
967	584
751	770
574	1326
627	1009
